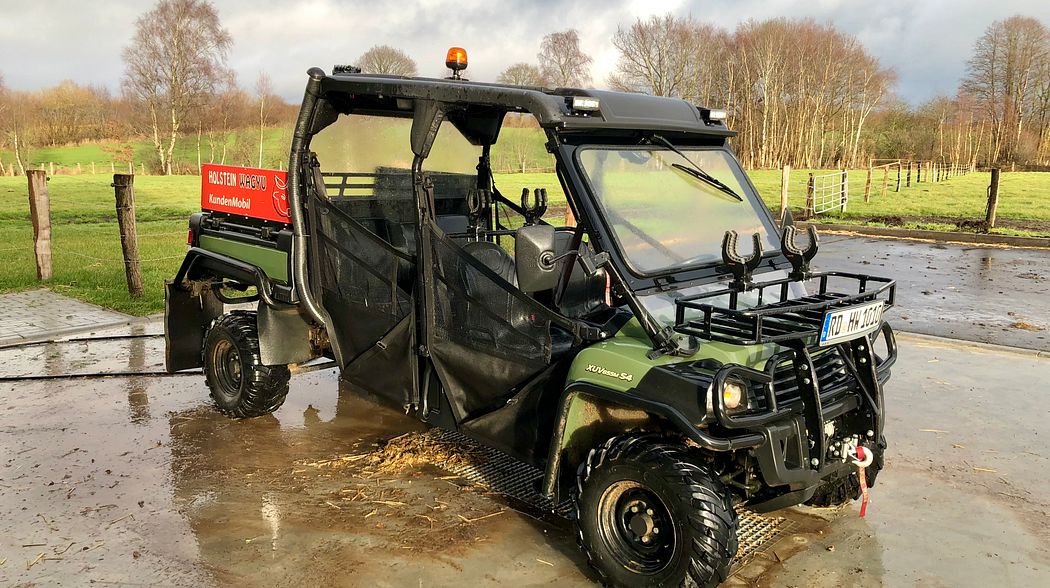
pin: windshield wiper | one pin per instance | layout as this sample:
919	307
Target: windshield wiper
695	171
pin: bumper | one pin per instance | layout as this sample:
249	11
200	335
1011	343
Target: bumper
800	439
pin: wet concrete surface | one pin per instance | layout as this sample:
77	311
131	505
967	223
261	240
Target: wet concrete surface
976	293
137	480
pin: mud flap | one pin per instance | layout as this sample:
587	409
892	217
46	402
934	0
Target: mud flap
284	336
186	317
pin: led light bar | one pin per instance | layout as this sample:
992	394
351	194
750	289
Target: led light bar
586	103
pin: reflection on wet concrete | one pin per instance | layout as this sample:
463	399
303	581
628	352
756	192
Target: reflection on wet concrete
261	506
138	400
139	480
987	294
78	354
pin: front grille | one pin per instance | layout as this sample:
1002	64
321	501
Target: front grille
833	377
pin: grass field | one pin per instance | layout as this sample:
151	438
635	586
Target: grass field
86	245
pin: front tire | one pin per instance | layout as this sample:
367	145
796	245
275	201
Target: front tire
240	384
648	515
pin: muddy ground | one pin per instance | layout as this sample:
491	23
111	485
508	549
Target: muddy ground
136	480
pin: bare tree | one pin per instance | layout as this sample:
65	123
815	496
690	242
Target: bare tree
522	74
263	91
230	109
3	111
1004	77
656	56
562	61
384	59
71	113
16	122
174	62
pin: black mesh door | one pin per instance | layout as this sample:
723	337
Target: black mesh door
366	285
486	338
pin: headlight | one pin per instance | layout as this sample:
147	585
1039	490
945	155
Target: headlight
734	394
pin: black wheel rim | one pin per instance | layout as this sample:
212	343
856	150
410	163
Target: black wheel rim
228	371
636	527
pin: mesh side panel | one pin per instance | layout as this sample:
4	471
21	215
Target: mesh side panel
485	339
360	281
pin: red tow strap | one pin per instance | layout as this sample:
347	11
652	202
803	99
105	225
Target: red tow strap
863	482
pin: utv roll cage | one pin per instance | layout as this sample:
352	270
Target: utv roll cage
477	110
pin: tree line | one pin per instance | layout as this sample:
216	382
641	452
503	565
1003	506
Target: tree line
798	92
806	94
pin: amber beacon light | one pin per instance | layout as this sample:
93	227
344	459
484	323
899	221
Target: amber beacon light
456	60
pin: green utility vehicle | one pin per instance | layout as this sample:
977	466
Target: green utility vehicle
660	378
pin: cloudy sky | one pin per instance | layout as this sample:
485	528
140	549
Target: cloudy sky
44	41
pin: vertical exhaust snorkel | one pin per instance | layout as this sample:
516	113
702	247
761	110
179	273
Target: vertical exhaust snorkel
303	126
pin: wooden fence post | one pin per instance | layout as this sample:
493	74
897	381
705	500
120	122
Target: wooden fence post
124	190
810	209
142	168
993	200
867	185
785	175
907	181
845	191
40	213
885	179
898	188
112	167
52	168
92	168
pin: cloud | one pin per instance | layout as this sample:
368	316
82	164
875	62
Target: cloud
927	42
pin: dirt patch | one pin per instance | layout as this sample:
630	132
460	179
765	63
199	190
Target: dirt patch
971	226
404	453
389	491
1025	326
1039	227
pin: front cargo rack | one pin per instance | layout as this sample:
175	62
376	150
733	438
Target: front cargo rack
785	318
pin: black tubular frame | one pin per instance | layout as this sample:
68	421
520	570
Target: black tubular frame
859	357
780	321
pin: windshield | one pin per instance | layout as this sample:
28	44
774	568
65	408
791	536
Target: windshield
662	216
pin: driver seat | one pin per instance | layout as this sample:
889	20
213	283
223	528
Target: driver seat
493	257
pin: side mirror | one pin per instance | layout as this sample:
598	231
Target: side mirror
534	259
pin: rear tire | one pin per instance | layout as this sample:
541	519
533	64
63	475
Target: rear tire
240	384
648	515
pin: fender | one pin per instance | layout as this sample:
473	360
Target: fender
201	263
284	334
571	441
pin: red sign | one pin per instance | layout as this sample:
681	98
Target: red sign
258	193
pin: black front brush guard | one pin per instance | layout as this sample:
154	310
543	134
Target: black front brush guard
863	365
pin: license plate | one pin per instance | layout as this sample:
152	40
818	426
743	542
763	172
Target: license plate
851	322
